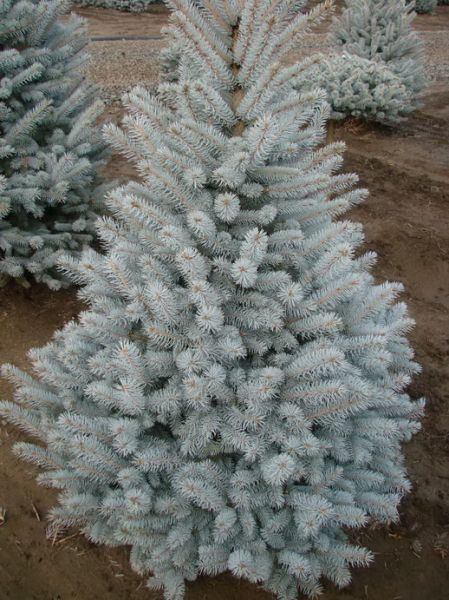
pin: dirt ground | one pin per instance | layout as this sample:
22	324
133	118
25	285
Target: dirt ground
406	220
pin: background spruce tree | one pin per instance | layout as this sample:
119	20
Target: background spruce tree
381	31
127	5
234	396
50	148
425	6
358	87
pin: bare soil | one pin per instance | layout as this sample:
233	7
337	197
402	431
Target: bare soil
406	221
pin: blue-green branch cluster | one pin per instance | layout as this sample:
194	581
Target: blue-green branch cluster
50	148
126	5
380	75
426	6
233	398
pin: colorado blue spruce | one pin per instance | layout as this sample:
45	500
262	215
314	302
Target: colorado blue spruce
234	396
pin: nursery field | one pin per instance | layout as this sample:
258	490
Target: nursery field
406	221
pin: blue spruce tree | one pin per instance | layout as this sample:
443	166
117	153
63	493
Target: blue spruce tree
425	6
49	146
380	74
358	87
381	31
233	398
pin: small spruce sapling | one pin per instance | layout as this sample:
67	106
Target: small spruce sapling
381	31
50	148
234	396
359	88
425	6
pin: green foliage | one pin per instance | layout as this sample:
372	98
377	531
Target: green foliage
126	5
49	146
170	55
425	6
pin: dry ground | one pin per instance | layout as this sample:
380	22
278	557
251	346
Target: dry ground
406	221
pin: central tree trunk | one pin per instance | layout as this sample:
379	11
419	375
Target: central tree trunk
237	93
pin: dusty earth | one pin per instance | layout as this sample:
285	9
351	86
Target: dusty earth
406	221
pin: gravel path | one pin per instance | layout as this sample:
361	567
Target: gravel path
118	65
